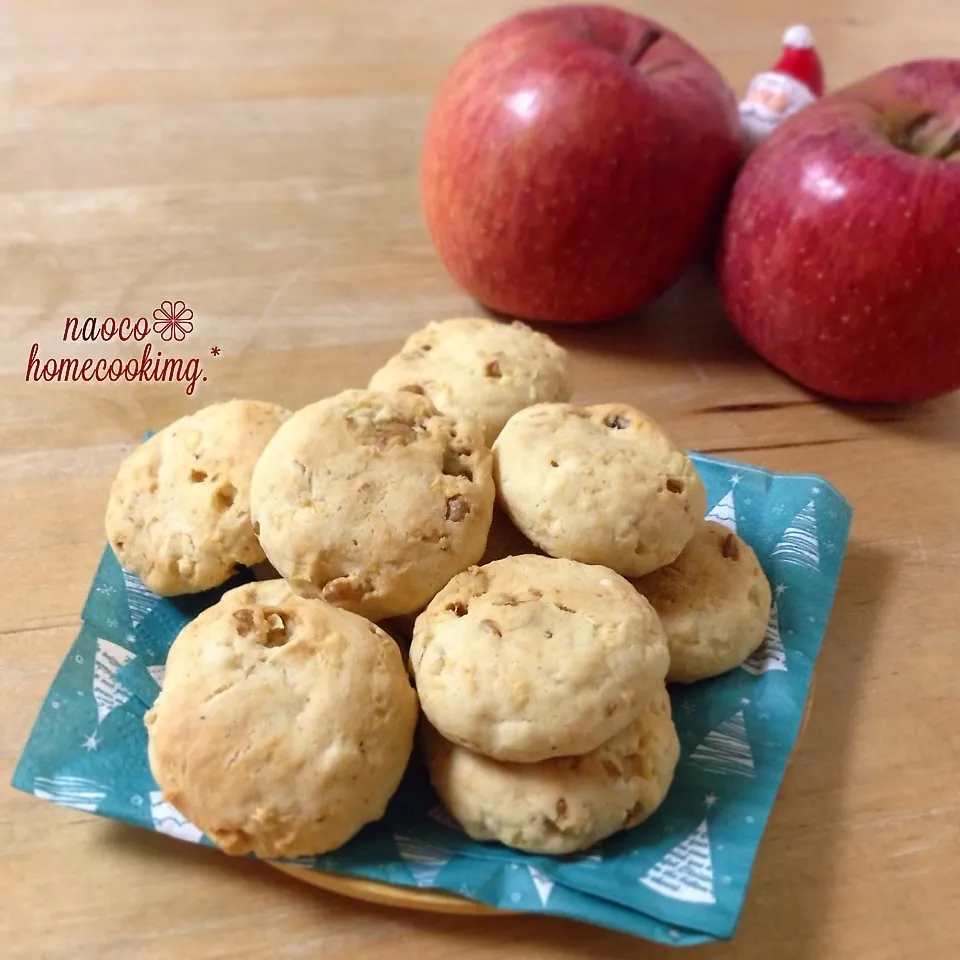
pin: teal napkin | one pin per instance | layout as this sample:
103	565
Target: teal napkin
680	878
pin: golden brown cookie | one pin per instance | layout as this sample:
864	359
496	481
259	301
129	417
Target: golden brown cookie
565	804
179	509
283	726
532	657
373	501
483	369
601	484
713	601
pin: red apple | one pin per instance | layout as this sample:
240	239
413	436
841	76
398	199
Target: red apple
573	160
840	255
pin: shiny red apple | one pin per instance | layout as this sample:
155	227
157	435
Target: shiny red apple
573	161
840	256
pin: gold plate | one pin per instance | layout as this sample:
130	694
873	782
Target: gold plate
388	895
427	901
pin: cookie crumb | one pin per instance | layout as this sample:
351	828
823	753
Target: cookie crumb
224	497
395	430
343	590
279	631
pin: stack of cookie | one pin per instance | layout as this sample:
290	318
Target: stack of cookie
287	717
548	721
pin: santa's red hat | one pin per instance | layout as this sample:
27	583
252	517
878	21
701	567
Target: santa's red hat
799	59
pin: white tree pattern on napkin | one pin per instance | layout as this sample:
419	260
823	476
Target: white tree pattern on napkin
725	512
107	691
77	792
542	883
169	820
770	655
140	601
158	672
726	750
423	860
686	872
799	543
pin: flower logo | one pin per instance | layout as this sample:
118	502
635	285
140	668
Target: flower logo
173	321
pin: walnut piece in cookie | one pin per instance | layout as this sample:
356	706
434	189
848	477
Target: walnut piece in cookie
713	601
373	501
284	725
564	804
483	369
179	509
532	657
601	484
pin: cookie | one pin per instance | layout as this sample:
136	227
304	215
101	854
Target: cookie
532	657
601	484
713	602
179	509
565	804
283	726
484	369
373	501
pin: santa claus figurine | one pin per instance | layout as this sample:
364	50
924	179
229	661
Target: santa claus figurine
795	82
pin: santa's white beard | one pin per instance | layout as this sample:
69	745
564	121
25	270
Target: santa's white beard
757	117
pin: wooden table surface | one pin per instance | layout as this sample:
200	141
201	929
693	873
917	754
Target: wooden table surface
257	160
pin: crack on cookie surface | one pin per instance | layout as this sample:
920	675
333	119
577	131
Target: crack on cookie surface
457	508
616	421
244	620
453	463
610	768
729	548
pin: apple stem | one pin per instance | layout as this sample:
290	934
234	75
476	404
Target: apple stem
647	39
948	149
930	136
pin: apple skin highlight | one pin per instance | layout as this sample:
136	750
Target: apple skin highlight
840	256
562	182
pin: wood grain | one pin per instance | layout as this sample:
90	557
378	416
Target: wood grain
259	162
